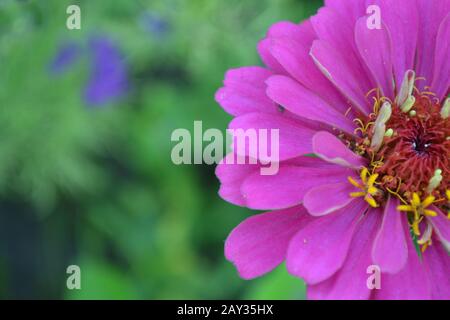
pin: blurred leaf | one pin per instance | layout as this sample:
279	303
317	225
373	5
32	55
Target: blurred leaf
277	285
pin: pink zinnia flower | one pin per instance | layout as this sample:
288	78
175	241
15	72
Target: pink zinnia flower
372	105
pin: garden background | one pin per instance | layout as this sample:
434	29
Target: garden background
86	176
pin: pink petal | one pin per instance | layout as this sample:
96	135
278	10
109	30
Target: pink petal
288	187
341	39
340	72
390	251
294	138
349	10
308	161
318	250
282	29
299	100
402	20
331	149
232	176
298	32
437	264
375	49
441	225
290	45
287	42
267	58
411	282
441	75
325	22
431	14
260	242
336	196
288	53
245	91
350	282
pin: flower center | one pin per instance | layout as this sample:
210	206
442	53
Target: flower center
407	144
417	146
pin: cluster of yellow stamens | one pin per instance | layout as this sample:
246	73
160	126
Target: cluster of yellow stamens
419	209
368	190
394	138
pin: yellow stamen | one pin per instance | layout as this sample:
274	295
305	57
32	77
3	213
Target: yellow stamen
371	91
371	201
405	208
415	201
428	201
415	227
430	213
372	179
372	190
367	187
396	193
357	194
419	209
416	204
364	174
425	246
353	182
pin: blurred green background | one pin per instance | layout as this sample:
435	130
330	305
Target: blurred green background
85	171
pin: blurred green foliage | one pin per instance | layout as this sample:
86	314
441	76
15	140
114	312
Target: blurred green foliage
95	186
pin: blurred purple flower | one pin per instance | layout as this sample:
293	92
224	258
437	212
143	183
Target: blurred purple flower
108	79
68	54
155	24
108	72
